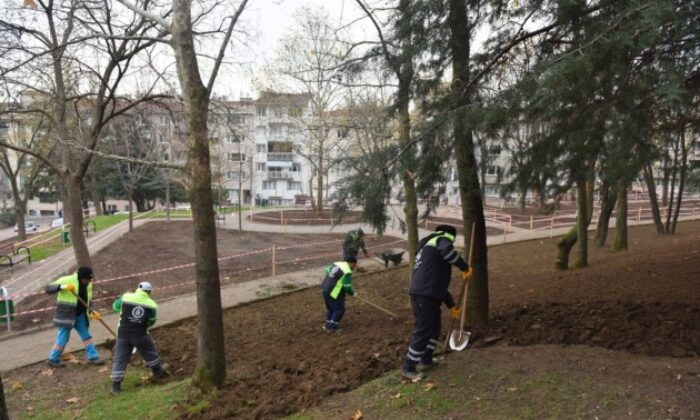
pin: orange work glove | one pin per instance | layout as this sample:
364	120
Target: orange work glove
69	287
467	275
455	312
95	315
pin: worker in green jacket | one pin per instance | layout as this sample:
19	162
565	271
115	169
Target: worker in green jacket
336	284
72	313
137	313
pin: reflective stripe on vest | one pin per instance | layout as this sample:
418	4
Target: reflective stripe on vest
433	241
345	268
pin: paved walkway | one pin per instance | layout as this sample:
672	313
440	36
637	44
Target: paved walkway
28	278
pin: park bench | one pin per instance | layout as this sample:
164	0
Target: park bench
10	260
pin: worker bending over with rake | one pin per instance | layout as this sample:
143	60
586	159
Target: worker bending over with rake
337	283
72	312
428	290
354	242
137	313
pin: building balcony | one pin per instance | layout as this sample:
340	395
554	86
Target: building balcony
280	156
282	175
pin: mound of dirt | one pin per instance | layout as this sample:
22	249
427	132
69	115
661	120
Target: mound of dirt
652	329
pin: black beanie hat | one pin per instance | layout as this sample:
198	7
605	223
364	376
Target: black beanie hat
447	229
350	259
85	273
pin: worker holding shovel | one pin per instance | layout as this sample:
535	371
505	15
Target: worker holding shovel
429	286
72	310
337	283
137	313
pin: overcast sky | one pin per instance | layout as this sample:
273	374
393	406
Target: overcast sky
268	21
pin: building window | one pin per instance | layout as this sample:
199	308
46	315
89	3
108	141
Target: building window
232	175
280	112
260	131
234	138
269	185
260	166
235	157
494	150
294	185
491	170
343	133
262	111
261	148
296	167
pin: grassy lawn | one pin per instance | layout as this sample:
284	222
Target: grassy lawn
138	400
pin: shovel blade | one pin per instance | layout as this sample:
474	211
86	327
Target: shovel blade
459	339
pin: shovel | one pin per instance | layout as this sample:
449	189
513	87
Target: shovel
109	344
459	339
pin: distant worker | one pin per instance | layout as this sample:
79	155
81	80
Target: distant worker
337	283
428	289
354	242
137	313
72	313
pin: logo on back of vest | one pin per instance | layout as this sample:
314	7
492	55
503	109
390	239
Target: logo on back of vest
137	312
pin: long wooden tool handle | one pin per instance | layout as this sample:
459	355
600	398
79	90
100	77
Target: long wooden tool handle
88	308
376	306
466	283
462	293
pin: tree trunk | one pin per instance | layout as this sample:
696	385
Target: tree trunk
3	406
674	172
94	193
319	185
564	245
664	181
653	198
210	370
167	197
609	198
585	208
620	242
63	193
20	210
131	211
403	95
75	205
467	168
681	181
311	192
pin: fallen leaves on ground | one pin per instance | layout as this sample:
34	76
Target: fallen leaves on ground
16	386
47	372
103	369
429	386
73	400
357	415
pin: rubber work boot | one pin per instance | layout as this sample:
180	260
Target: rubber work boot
160	373
425	366
55	363
411	375
116	388
96	362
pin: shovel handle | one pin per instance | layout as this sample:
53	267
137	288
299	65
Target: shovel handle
101	321
462	293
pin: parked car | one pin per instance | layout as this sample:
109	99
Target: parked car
28	227
57	222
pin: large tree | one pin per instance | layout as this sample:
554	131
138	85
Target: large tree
210	371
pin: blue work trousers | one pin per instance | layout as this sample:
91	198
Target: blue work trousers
82	327
335	309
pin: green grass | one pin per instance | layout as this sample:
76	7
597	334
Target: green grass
46	250
103	222
138	400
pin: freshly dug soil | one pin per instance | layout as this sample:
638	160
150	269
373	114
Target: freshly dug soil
158	245
280	361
